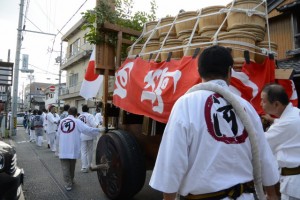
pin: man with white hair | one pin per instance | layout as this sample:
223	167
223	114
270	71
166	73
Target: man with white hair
283	137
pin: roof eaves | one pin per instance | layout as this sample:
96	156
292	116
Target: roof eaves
290	63
76	28
289	6
272	4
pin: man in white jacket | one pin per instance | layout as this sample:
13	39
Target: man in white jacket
87	142
44	115
52	122
205	149
284	138
69	131
98	116
63	115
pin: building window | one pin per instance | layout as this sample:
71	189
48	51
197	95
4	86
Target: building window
74	47
73	80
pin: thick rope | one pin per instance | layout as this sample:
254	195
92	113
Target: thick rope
250	12
263	51
165	39
150	36
248	126
193	32
215	37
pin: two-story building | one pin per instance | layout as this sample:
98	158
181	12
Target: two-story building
34	96
75	64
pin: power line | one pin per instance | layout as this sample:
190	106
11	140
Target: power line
47	72
45	14
59	31
32	24
62	29
73	15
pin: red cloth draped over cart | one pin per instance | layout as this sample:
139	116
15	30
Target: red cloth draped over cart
151	89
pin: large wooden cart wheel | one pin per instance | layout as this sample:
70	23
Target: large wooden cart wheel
126	173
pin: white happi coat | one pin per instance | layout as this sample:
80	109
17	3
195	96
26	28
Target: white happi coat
99	118
284	139
69	131
89	120
44	115
52	122
205	149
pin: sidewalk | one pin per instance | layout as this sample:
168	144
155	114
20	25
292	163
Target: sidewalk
44	179
43	174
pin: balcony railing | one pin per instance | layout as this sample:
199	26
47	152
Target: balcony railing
84	52
64	91
71	89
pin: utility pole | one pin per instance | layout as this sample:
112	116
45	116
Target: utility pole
59	78
23	97
31	77
16	72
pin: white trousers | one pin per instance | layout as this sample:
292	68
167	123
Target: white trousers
32	135
51	137
86	153
47	138
39	141
57	144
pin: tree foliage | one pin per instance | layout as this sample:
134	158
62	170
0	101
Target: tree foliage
122	15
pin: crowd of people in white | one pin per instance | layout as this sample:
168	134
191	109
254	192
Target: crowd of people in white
42	124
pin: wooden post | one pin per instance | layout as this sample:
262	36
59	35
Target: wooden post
119	49
108	57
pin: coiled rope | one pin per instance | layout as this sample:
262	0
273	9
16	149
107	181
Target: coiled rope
248	126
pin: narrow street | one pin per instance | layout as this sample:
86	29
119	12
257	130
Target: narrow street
43	175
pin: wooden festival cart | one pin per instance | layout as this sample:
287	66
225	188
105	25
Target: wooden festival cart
130	146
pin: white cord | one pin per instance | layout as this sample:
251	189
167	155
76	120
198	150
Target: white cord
244	117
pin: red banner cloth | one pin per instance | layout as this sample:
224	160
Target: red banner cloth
252	79
151	89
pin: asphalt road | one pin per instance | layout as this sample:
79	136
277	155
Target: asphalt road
43	176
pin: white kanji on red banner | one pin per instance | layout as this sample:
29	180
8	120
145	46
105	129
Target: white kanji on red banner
151	89
154	95
122	80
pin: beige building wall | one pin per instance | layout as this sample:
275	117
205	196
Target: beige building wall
75	64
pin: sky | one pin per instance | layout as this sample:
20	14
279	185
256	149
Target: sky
52	16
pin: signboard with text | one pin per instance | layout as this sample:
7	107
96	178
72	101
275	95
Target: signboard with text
6	73
25	62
